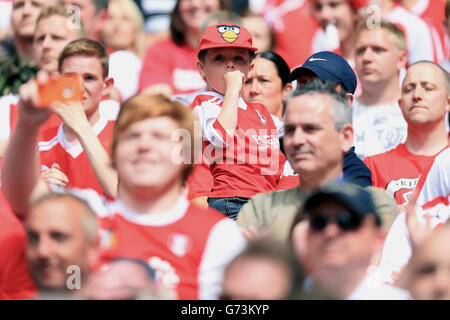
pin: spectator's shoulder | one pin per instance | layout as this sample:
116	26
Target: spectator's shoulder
383	156
262	208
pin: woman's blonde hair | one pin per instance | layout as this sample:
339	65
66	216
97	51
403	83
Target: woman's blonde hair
396	34
132	11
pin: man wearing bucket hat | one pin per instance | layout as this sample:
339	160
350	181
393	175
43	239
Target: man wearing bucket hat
240	138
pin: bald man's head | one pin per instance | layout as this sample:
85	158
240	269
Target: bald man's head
439	70
62	234
425	97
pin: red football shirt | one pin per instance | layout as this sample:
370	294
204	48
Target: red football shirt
398	171
187	246
248	163
201	183
54	148
15	279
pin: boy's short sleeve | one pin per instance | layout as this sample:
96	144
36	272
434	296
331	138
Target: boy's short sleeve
207	112
279	124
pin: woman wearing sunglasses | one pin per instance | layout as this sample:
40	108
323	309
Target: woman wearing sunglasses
335	236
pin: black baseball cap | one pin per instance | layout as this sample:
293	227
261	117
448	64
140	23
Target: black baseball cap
330	67
357	199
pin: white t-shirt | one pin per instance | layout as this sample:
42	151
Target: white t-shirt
377	128
370	288
124	68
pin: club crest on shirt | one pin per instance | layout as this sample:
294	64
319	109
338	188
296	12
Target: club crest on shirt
108	238
263	120
179	244
404	183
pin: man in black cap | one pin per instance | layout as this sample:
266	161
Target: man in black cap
342	234
327	66
331	67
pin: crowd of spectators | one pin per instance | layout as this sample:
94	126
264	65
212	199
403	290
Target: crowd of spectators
225	149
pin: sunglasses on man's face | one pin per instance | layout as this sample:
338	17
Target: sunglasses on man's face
346	221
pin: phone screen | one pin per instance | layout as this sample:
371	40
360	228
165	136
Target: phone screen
64	88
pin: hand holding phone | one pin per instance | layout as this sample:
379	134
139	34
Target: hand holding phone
63	88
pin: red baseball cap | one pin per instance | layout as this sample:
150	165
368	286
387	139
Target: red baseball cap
358	4
226	36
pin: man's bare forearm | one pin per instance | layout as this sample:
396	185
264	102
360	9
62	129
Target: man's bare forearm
100	161
20	171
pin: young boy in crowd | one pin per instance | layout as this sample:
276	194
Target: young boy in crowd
240	138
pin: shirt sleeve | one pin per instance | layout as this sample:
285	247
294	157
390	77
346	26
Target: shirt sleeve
207	113
225	242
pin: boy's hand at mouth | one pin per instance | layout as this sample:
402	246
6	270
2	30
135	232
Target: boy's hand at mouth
234	81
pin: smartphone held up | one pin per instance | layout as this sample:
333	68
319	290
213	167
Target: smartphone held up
63	88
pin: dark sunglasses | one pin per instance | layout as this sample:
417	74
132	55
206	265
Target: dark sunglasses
345	220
